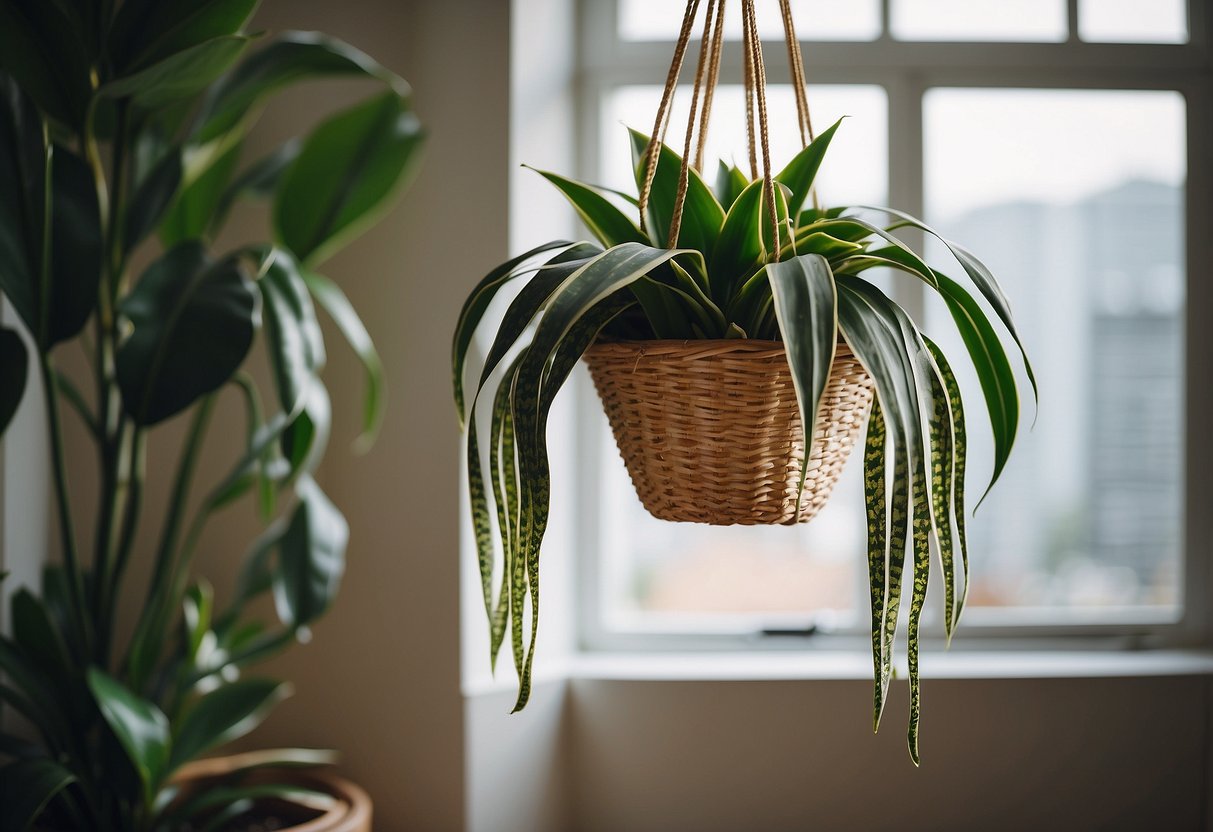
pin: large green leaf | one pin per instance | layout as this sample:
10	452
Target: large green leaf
146	31
180	75
26	787
992	366
606	222
739	248
39	640
294	341
982	278
74	248
140	726
153	198
193	214
41	49
194	321
806	307
331	299
477	304
223	715
959	456
730	183
287	58
802	170
14	366
877	451
311	557
348	167
702	215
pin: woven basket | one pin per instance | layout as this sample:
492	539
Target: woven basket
710	431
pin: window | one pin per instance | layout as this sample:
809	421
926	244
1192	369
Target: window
1057	140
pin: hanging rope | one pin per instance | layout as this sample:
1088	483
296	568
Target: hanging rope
653	151
707	72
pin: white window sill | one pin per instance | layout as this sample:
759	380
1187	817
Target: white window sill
765	666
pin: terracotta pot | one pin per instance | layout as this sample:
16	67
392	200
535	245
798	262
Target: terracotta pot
350	813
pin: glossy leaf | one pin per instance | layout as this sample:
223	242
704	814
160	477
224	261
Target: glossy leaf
606	222
75	244
257	180
801	172
348	168
153	198
40	640
14	367
287	58
730	184
140	727
193	213
959	458
26	787
145	31
311	557
180	75
225	714
993	370
294	342
331	299
40	49
806	307
193	321
740	248
702	215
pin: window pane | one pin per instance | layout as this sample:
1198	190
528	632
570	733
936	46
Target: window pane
1083	224
979	20
815	20
689	576
855	171
1133	21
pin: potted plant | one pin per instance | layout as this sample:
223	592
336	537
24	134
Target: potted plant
738	345
122	128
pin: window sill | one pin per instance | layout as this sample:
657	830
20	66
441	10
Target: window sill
659	667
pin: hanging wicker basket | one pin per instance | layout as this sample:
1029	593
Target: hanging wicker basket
711	433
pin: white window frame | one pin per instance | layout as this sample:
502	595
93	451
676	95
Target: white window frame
907	70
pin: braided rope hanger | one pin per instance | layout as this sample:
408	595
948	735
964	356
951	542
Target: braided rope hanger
707	73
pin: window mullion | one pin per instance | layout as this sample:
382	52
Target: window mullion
905	94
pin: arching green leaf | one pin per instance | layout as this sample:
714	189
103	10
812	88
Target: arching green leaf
348	167
225	714
311	557
140	726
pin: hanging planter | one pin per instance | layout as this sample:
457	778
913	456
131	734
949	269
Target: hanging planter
710	430
738	346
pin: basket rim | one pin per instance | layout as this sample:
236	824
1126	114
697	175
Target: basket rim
700	347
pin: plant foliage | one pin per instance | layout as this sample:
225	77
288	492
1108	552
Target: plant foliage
123	129
732	273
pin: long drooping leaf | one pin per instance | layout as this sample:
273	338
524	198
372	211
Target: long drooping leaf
295	344
802	170
702	215
14	367
332	300
920	499
504	467
531	408
225	714
193	325
942	489
959	453
606	222
311	558
993	370
287	58
877	450
556	347
140	726
26	787
806	307
982	278
477	304
345	173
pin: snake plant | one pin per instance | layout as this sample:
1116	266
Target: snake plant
723	278
123	148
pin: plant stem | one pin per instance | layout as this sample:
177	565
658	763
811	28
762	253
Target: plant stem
181	489
126	539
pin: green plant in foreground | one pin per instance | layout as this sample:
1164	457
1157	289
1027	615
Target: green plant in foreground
721	279
122	128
